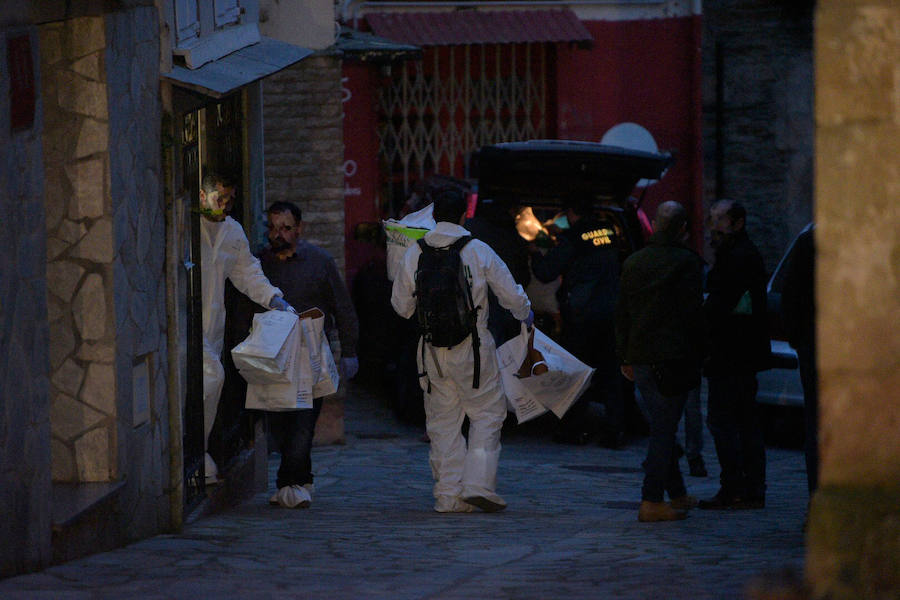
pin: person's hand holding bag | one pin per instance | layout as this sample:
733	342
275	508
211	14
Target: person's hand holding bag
279	303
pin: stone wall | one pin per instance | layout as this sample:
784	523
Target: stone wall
304	149
304	157
757	115
139	243
105	265
853	542
79	251
24	398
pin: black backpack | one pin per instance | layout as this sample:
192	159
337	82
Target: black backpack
444	307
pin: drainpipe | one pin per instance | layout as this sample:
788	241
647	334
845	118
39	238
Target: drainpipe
173	375
350	8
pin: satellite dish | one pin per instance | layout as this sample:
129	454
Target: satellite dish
633	137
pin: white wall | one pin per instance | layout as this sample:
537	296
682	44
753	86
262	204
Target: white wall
308	23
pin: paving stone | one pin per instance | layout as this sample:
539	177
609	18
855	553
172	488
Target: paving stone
371	531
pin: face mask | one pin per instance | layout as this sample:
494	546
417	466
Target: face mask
210	207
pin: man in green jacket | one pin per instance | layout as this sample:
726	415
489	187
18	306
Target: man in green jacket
660	337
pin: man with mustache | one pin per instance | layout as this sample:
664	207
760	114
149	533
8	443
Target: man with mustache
310	279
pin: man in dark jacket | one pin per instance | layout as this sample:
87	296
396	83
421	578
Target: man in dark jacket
587	257
736	311
660	336
309	278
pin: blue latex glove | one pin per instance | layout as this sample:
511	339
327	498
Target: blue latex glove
529	320
278	303
349	366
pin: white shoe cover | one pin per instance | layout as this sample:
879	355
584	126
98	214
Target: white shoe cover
212	471
487	502
310	488
293	496
450	504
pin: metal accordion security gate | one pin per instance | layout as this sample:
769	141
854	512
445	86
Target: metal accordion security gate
435	112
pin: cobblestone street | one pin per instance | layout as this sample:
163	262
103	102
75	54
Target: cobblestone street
571	531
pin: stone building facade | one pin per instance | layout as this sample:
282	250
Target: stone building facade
24	358
757	115
93	306
304	147
105	244
95	443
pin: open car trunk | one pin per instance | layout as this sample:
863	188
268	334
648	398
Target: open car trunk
542	174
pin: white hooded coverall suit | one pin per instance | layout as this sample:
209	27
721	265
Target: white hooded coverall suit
462	472
225	253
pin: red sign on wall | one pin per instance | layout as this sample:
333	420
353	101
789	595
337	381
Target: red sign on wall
21	82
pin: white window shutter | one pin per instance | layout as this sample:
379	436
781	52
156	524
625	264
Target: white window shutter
227	12
187	20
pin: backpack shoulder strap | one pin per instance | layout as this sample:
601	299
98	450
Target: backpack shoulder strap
459	243
457	246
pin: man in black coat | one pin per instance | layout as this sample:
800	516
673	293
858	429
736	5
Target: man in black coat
736	311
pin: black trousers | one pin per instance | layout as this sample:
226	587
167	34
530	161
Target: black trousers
733	420
594	344
292	432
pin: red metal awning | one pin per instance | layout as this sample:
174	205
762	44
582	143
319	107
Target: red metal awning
476	27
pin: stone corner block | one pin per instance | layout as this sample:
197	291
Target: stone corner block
88	181
82	96
99	390
89	308
92	455
70	418
68	378
97	245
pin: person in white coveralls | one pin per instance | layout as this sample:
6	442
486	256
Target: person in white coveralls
465	474
225	254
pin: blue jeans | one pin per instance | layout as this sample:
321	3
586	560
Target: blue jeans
693	422
292	431
661	473
733	419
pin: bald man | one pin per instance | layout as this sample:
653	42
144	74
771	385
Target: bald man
660	340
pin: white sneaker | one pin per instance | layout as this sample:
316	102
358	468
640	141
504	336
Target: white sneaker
487	502
212	471
294	496
452	504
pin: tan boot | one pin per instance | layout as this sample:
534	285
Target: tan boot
650	512
683	502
